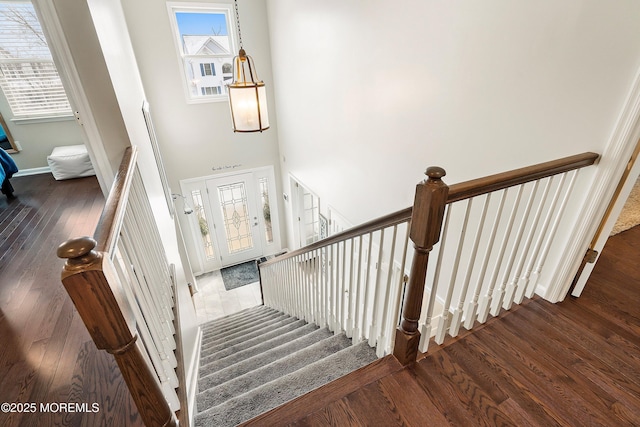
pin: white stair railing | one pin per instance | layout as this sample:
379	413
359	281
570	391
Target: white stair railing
348	283
459	297
122	287
500	226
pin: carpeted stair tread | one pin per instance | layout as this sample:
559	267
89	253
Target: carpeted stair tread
212	374
263	324
230	318
241	323
223	350
298	360
251	333
275	393
225	322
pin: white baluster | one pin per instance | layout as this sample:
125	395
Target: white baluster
401	280
151	307
547	245
425	333
376	292
331	304
456	320
506	292
322	288
383	344
470	314
486	301
472	308
367	291
350	299
344	297
148	319
520	288
357	332
324	264
443	326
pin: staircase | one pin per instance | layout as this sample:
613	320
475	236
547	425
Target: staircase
260	358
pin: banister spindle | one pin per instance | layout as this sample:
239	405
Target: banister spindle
426	222
107	317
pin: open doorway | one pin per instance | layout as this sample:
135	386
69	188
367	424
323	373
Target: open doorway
622	213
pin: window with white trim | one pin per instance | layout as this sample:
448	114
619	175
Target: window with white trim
204	36
211	90
28	77
207	69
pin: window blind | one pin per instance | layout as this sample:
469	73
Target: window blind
28	76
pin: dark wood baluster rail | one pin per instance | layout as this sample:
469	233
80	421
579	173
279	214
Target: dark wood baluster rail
86	277
427	215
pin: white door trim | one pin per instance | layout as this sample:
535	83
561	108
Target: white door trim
269	248
75	92
610	168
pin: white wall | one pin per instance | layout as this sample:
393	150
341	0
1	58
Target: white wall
98	40
197	138
38	139
374	92
371	93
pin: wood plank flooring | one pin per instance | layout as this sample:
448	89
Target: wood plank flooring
576	363
573	363
46	354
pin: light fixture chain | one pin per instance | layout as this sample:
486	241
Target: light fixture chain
238	23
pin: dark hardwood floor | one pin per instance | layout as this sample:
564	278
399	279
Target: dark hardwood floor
46	354
576	363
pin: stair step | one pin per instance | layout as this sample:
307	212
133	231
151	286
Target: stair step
223	350
298	360
263	324
211	376
238	315
275	393
250	319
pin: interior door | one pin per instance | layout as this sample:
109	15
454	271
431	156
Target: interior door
234	207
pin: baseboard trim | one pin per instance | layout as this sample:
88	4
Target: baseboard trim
612	163
33	171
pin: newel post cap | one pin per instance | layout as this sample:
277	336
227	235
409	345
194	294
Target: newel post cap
435	172
79	252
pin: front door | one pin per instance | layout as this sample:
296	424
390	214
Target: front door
234	208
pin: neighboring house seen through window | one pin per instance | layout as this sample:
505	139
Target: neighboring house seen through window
28	77
206	46
207	69
211	90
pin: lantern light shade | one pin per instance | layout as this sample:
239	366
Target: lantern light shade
247	97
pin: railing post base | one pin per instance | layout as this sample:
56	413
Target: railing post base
406	347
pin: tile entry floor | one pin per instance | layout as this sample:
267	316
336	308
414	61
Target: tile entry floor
213	301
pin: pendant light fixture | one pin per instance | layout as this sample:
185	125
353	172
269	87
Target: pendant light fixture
247	94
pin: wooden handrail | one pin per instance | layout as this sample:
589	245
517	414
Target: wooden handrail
389	220
460	191
431	198
425	218
91	282
500	181
106	232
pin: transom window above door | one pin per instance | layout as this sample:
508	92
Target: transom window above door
205	42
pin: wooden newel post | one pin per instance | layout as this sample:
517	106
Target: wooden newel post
107	316
426	222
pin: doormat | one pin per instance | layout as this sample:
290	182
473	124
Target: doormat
239	275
